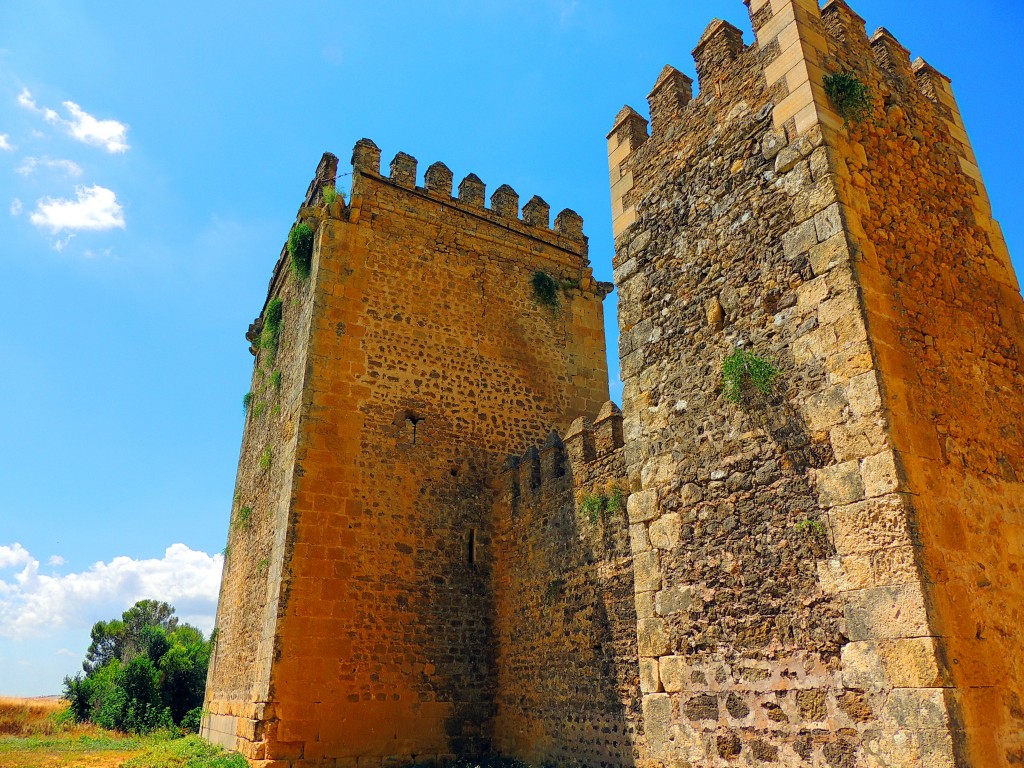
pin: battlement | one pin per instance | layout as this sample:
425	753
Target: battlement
797	44
533	220
584	448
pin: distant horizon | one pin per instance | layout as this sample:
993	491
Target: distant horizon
151	163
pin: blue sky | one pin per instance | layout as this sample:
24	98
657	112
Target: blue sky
151	161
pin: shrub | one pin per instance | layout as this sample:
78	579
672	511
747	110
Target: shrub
192	720
745	375
270	336
300	248
545	289
849	96
144	672
246	401
329	195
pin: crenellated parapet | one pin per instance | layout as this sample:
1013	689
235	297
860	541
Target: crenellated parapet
533	220
587	453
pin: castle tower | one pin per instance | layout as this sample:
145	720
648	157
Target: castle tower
427	338
846	588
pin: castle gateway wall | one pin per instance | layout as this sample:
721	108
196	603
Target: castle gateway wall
846	589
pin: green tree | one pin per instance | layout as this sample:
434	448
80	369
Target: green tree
142	671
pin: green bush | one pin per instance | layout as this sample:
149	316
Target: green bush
266	458
329	194
246	401
144	672
849	96
300	248
593	506
745	376
545	289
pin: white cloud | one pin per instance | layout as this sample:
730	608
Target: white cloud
5	142
16	207
25	99
30	164
14	555
37	605
111	135
56	561
95	208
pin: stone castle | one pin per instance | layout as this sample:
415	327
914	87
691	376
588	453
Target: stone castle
825	570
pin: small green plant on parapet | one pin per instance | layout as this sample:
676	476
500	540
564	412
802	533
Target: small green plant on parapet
259	410
263	566
244	518
246	401
270	336
545	289
849	96
226	552
746	376
300	249
266	458
329	195
275	381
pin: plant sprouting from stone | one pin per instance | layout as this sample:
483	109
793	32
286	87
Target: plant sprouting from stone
247	401
745	375
300	249
244	518
849	96
270	336
593	506
545	289
329	194
275	381
266	458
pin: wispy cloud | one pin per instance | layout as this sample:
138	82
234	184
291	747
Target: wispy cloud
16	207
56	561
5	143
30	164
36	605
94	208
111	135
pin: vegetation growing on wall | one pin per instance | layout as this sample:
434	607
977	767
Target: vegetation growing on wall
300	249
545	289
270	336
849	96
747	377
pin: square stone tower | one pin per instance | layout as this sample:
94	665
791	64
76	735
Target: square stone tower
427	338
822	344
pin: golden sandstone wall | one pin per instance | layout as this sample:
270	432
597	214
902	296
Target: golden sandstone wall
828	574
427	361
849	558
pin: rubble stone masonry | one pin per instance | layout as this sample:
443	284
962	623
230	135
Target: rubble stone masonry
446	542
846	585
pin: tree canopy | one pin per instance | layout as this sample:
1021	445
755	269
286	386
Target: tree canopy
142	672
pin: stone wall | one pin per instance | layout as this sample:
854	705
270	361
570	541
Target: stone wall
845	577
429	358
946	326
568	683
239	674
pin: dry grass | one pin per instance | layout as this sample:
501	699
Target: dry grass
36	733
30	717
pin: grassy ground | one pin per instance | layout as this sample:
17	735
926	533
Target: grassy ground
35	733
